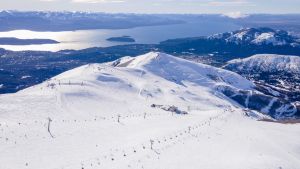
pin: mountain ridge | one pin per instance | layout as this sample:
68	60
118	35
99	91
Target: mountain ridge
274	75
259	36
182	73
267	63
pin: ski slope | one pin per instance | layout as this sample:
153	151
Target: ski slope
102	116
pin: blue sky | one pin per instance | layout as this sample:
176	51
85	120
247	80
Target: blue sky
157	6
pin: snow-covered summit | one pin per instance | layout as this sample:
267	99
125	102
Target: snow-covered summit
154	76
130	74
258	36
181	70
267	63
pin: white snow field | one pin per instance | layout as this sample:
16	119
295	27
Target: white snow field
102	118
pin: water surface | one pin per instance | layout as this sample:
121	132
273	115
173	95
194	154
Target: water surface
82	39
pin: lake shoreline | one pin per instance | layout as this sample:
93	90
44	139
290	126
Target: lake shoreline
17	41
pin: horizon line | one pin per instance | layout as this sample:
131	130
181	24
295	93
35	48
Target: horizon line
138	13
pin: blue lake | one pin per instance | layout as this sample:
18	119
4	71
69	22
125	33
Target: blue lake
97	38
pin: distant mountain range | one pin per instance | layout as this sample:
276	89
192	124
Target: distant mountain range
258	36
68	21
237	44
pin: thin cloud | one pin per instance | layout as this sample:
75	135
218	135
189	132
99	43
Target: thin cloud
235	15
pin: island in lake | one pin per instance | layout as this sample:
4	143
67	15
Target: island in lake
121	39
16	41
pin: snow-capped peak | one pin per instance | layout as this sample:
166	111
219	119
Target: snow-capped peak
258	36
168	66
267	63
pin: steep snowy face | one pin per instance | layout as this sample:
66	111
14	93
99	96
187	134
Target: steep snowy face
183	73
267	63
180	71
258	36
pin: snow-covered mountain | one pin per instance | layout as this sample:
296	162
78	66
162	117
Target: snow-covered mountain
223	47
275	75
267	63
150	111
259	36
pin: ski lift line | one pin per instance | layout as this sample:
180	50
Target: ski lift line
200	124
98	118
143	147
178	135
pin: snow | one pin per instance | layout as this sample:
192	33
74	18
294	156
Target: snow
269	106
268	63
258	36
236	15
240	35
183	70
267	38
25	77
86	103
